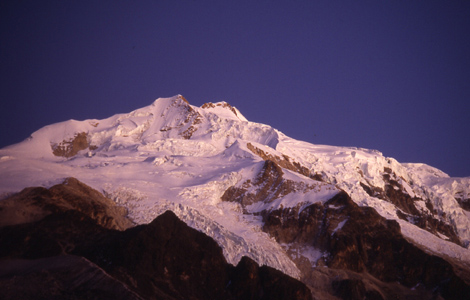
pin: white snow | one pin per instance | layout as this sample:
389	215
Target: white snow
145	162
340	225
297	252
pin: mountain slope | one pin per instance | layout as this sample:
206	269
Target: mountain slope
230	178
73	254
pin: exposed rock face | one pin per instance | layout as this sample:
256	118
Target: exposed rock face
165	259
222	104
33	204
192	118
358	239
284	162
69	148
189	265
187	119
351	252
59	277
269	182
248	281
266	187
464	203
396	193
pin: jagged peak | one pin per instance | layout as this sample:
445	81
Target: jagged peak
221	109
172	98
221	103
182	98
177	100
226	106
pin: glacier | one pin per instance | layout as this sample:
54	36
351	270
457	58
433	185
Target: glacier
175	156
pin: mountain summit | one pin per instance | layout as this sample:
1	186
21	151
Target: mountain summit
342	220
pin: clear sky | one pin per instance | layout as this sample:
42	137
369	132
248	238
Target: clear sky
387	75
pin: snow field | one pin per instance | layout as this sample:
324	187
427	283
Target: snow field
145	162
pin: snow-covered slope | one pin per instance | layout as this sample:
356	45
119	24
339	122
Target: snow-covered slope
221	174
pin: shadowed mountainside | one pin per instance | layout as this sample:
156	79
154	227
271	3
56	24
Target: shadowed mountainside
71	251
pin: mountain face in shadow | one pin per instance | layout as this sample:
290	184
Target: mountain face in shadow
78	253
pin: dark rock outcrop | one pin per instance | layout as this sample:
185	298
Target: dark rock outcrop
267	186
464	203
284	162
370	256
70	147
431	222
59	277
187	122
249	281
33	204
165	259
221	104
359	240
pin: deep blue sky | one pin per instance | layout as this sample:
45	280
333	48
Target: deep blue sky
387	75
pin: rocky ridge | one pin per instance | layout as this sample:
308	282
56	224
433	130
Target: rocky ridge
72	254
355	223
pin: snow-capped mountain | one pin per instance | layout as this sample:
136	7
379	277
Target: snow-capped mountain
284	203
